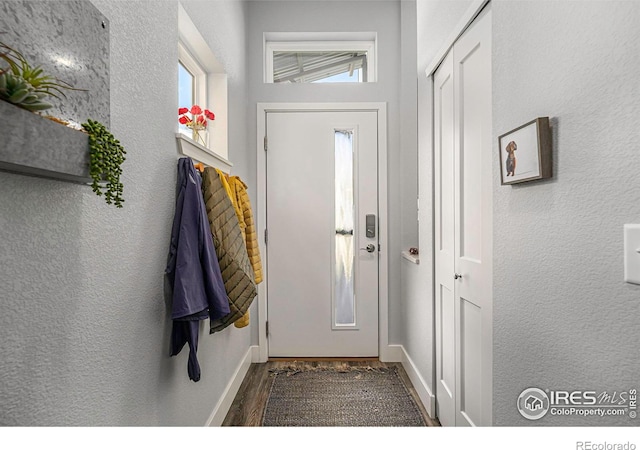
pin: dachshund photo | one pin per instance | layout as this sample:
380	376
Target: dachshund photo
511	159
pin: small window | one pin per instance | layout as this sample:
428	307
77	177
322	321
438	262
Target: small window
186	85
192	83
308	60
186	88
319	67
202	81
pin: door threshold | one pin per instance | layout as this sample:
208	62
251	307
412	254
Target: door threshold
326	358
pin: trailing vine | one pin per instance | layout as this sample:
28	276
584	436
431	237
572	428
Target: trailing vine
107	155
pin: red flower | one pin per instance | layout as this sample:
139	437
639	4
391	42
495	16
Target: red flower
198	118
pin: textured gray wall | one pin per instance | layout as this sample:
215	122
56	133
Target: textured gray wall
66	38
384	17
563	317
84	333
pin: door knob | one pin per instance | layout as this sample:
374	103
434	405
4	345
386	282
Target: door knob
370	248
456	276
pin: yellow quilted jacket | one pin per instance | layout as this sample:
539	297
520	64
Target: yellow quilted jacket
237	191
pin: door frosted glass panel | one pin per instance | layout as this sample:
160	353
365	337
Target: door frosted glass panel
344	296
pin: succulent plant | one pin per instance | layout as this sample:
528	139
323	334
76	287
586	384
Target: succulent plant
20	92
107	156
26	86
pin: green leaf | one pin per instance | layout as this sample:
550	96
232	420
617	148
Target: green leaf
105	160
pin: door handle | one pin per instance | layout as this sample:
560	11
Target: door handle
370	248
456	276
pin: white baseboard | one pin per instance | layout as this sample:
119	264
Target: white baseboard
422	388
224	404
256	356
391	353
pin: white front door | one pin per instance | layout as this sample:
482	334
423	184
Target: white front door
322	233
463	218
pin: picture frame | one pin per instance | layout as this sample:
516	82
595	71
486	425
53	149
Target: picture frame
525	152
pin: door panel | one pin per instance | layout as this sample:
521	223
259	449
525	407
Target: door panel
470	362
321	184
473	240
472	91
463	192
444	231
446	375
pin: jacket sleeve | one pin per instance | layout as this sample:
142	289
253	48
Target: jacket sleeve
253	250
251	238
170	271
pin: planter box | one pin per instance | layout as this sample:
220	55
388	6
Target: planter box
35	146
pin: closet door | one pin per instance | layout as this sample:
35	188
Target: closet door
473	223
463	228
444	241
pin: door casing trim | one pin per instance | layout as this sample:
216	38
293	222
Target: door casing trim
386	354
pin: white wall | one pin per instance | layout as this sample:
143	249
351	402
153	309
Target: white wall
383	17
409	124
84	331
436	21
417	314
563	317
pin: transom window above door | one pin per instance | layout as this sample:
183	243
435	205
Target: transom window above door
320	57
319	67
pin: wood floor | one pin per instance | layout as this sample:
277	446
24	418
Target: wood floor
249	404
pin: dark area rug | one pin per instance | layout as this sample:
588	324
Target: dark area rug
340	397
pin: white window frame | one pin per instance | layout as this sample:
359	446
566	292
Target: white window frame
321	42
210	86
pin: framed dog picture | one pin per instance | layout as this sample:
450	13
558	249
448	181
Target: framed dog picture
525	153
